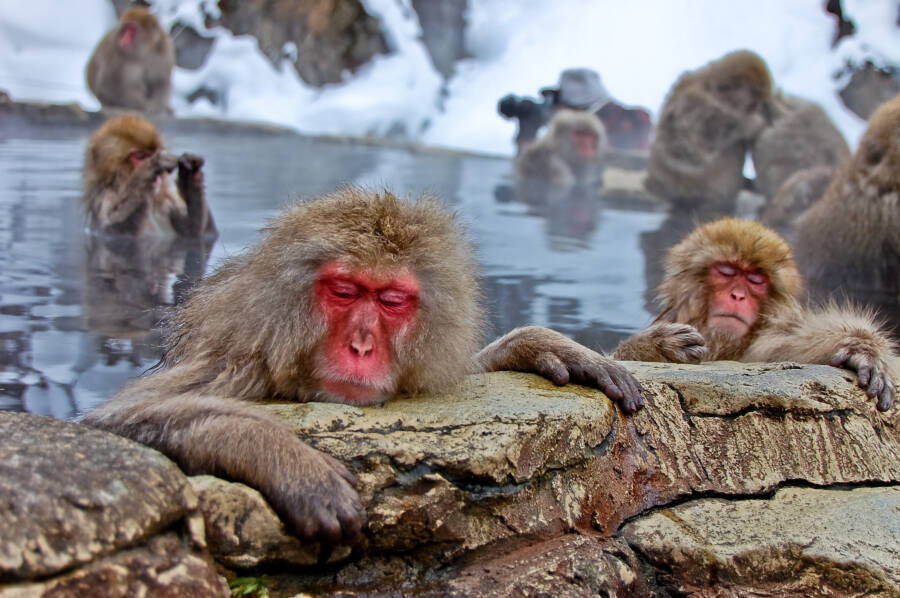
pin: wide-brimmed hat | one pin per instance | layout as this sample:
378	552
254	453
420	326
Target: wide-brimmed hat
582	88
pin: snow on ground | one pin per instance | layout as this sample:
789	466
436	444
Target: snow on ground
639	48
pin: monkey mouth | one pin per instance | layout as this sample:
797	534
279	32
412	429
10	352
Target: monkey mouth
349	392
729	322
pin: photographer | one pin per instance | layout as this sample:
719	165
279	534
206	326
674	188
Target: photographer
578	89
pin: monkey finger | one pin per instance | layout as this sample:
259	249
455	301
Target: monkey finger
327	527
875	386
352	523
632	391
340	469
863	375
602	378
839	358
886	399
550	366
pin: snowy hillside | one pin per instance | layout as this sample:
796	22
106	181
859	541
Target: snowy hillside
638	47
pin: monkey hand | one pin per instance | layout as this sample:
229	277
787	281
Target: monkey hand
676	342
871	371
561	360
189	167
669	342
316	496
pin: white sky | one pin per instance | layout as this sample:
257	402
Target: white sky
638	47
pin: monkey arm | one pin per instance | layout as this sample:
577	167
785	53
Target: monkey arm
311	491
842	337
670	342
561	360
198	220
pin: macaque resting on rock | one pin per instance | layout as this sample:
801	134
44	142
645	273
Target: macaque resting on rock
354	298
128	189
132	65
731	291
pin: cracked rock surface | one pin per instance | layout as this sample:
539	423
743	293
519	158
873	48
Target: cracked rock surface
74	501
514	484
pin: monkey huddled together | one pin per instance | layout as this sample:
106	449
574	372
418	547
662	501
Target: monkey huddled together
714	116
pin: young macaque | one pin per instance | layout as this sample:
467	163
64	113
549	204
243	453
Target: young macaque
128	189
572	152
355	297
706	126
132	65
732	291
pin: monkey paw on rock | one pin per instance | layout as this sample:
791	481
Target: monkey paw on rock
316	497
872	374
562	360
677	343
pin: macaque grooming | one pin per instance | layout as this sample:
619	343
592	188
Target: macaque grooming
707	123
731	291
801	136
572	152
851	237
353	298
128	188
132	65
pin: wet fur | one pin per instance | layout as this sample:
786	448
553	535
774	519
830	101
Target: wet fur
120	198
801	136
554	159
851	237
706	125
139	79
784	331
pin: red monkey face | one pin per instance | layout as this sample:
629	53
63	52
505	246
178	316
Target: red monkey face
365	316
736	295
585	143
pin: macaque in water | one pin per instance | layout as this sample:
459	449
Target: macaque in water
132	65
355	297
850	239
706	126
800	137
732	291
572	152
128	187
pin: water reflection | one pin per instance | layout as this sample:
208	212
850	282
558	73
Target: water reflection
77	312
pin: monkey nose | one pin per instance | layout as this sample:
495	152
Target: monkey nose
362	344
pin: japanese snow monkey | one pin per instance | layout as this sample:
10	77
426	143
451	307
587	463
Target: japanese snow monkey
355	297
732	291
128	187
132	65
707	124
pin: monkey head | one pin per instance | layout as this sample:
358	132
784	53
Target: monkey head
120	146
137	28
877	159
353	298
579	133
742	80
725	275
